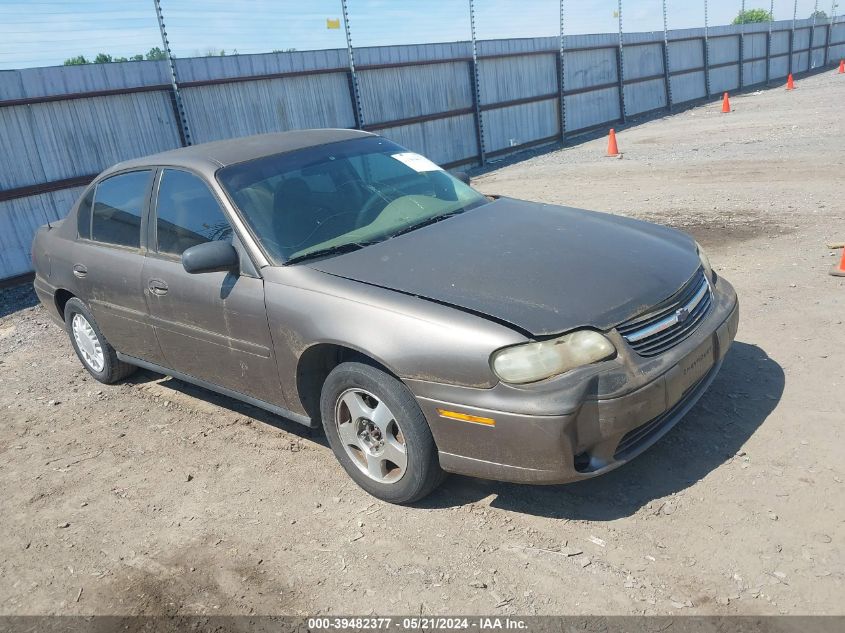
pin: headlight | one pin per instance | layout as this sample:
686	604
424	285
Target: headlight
705	261
531	362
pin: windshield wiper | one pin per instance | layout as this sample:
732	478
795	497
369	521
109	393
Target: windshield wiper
331	250
427	222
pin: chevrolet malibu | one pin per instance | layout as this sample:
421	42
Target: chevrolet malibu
333	277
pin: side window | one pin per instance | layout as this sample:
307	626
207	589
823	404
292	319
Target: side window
83	215
118	203
187	213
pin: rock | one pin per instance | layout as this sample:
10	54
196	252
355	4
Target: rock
598	541
772	515
477	584
64	525
189	477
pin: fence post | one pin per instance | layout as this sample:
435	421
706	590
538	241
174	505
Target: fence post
178	107
620	67
830	26
351	76
829	32
476	87
769	42
706	43
792	36
742	47
667	82
561	80
811	61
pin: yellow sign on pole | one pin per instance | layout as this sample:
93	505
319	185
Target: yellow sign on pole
332	23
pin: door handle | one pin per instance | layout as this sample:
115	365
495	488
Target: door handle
157	287
80	271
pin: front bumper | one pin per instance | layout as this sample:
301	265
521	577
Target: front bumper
586	422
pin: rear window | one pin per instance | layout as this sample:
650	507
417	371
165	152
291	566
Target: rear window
118	204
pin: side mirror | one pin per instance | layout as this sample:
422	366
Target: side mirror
462	176
210	257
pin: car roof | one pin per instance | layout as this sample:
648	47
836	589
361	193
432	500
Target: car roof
209	157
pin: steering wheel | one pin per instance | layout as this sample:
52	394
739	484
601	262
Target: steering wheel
367	209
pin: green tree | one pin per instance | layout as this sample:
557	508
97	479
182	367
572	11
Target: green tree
819	15
156	54
750	16
136	58
79	60
103	58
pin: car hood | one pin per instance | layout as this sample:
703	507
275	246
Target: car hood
542	268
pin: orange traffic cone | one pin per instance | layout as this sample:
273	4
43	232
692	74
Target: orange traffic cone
839	270
842	66
612	148
726	103
790	83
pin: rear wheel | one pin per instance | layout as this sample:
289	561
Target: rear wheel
378	433
92	348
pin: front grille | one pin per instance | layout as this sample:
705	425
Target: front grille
669	324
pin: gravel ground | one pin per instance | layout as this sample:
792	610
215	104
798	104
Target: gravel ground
156	497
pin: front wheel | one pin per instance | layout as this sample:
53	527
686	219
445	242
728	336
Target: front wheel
92	348
378	433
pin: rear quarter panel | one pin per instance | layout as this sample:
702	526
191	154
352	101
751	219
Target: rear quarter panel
52	254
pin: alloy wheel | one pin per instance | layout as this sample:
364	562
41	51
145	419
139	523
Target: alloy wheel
371	435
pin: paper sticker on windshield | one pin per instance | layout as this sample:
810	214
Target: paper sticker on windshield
416	162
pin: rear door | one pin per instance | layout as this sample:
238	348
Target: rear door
108	259
212	326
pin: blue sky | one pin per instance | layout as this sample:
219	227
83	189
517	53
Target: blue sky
45	32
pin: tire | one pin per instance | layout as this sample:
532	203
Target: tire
379	440
104	367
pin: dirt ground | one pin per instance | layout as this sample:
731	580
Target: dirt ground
159	498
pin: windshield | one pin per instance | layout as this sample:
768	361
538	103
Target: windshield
341	196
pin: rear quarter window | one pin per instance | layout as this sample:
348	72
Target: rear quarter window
118	205
83	215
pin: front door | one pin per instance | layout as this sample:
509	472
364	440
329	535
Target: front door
211	326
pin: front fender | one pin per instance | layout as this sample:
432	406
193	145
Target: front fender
416	339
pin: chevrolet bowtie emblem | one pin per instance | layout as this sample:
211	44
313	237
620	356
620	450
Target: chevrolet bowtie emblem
682	315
